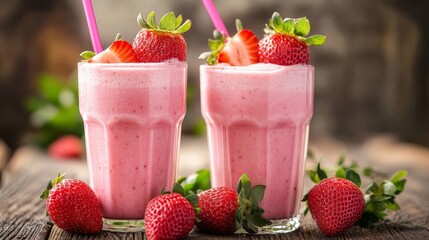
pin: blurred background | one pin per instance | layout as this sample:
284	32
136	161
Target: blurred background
371	76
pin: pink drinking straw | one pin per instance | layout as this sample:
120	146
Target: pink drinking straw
215	17
92	25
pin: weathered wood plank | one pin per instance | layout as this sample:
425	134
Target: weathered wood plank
22	212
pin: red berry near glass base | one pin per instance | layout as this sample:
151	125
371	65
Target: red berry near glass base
336	204
72	205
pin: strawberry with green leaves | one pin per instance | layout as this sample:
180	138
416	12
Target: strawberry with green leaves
161	42
239	50
72	205
120	51
285	42
170	215
337	203
223	210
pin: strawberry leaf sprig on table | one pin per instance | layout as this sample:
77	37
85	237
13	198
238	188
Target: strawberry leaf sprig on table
336	207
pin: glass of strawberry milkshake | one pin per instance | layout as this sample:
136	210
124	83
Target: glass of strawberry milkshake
132	99
257	102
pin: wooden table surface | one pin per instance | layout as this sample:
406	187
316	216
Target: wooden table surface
23	213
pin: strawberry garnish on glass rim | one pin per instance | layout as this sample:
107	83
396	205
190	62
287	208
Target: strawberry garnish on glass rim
161	42
285	41
239	50
120	51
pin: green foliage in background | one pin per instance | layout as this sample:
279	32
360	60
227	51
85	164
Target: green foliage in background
199	126
54	110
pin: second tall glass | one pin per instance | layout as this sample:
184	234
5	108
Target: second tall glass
258	121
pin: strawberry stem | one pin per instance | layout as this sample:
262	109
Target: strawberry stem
168	23
45	193
296	27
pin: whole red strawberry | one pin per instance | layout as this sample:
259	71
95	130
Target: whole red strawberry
336	204
238	50
120	51
169	216
66	147
218	208
158	43
73	206
221	211
285	42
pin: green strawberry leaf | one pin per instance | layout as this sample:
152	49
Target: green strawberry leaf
306	210
248	227
151	21
86	55
244	185
185	27
168	22
315	40
289	26
196	182
372	187
313	176
377	198
398	176
193	199
142	23
177	188
392	205
238	25
215	45
257	193
341	173
277	22
321	173
258	221
354	177
178	21
302	27
305	198
400	185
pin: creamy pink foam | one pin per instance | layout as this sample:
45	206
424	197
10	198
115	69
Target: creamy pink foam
132	115
258	119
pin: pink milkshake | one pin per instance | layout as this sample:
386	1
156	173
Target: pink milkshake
258	120
133	114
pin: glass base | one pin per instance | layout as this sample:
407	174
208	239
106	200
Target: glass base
281	226
121	225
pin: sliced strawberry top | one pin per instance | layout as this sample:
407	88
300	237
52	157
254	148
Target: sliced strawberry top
119	52
240	50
